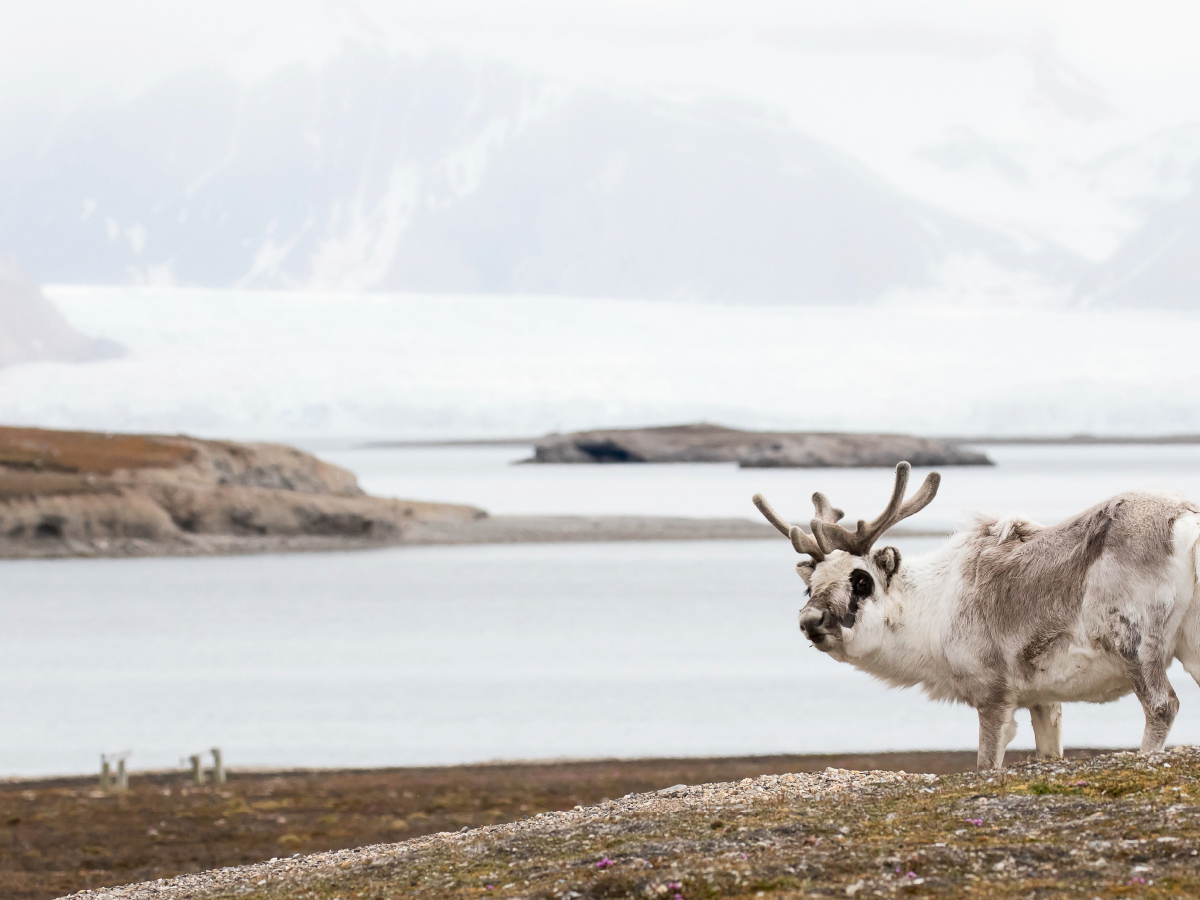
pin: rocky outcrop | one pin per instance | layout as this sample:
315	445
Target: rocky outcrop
760	449
32	329
63	493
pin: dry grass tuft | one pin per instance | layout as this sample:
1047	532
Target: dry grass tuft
85	452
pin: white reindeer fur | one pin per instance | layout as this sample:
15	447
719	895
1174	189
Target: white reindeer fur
911	630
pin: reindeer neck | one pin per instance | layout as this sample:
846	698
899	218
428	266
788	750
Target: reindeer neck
912	650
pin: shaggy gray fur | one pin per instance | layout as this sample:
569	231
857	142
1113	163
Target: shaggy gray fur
1029	586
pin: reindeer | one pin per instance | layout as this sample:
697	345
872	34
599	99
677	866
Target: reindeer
1011	614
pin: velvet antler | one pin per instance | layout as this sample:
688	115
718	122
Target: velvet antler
830	536
801	541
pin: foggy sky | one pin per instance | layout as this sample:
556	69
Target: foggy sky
1130	48
1060	83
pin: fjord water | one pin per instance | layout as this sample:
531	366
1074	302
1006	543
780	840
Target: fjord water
453	654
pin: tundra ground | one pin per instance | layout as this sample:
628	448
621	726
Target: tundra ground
1117	825
64	835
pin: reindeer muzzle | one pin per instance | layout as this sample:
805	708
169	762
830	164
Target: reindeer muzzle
818	624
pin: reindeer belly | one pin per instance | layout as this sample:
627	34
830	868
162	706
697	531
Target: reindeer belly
1075	673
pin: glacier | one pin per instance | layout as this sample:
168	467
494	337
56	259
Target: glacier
291	365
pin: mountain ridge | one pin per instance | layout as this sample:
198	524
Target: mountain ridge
380	171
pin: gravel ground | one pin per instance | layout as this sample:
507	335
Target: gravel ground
1120	825
65	835
293	873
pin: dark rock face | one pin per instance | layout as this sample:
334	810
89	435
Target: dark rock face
31	329
751	449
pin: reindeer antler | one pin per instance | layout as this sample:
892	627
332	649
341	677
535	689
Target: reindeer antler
826	511
830	536
801	541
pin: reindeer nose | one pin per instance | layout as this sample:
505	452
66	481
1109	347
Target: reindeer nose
815	623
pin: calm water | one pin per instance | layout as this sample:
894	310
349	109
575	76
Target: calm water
451	654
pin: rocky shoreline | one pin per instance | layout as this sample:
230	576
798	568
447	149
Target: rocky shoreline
484	530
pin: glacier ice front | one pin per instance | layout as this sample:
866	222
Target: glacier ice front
293	366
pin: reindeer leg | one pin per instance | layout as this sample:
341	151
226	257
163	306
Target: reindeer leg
997	727
1140	644
1158	700
1047	729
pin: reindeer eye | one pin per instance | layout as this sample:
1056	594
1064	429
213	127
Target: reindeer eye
861	584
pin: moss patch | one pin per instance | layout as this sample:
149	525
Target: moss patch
1116	826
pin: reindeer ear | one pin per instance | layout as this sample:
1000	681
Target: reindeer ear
888	561
805	569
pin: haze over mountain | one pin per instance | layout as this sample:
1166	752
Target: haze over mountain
1159	264
787	153
380	171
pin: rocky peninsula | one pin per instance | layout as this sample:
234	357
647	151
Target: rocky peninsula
78	493
706	443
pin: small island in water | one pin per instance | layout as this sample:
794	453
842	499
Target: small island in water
703	442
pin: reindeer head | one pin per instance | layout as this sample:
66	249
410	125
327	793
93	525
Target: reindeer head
848	585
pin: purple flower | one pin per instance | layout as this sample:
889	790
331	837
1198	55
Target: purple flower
912	874
490	886
1079	784
604	863
674	886
975	822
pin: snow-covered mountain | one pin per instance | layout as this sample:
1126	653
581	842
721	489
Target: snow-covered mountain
382	170
1159	263
860	164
